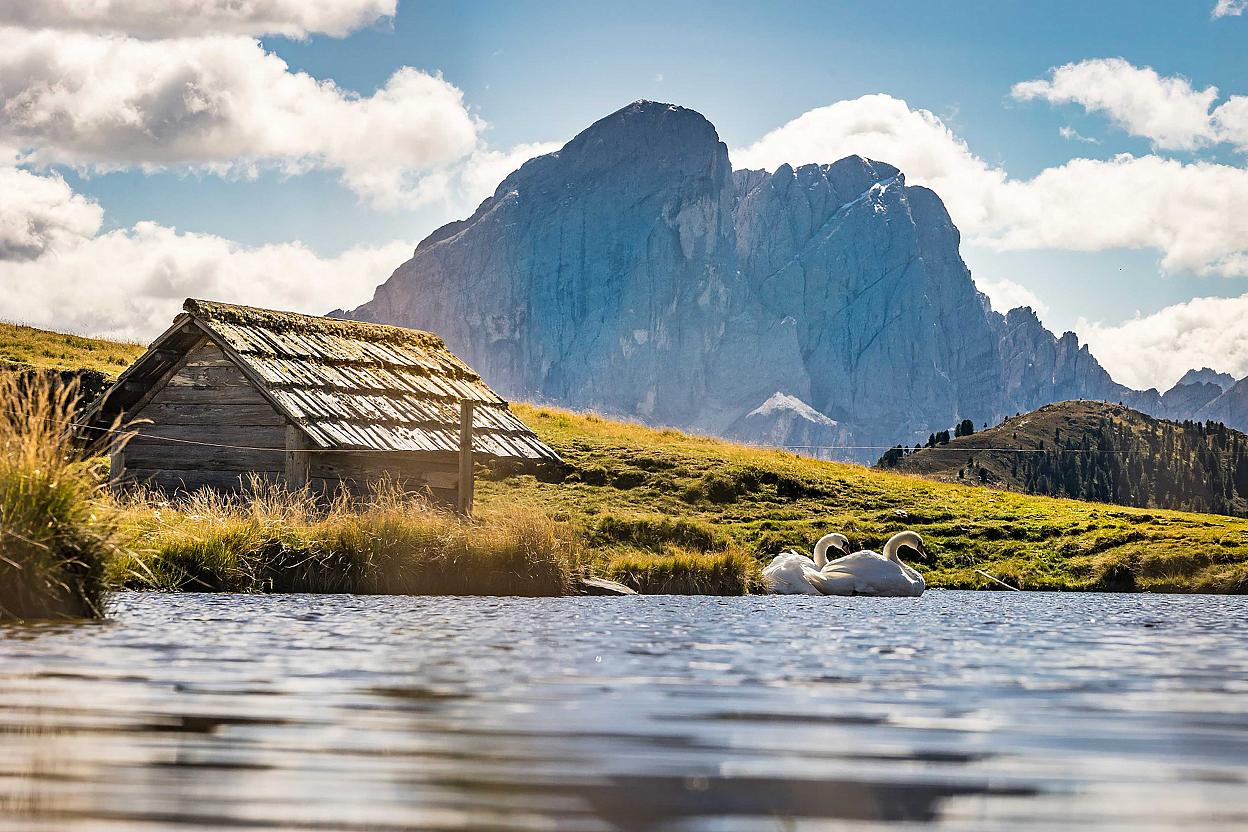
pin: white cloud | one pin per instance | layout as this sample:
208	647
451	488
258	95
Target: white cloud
151	268
1229	8
886	129
40	214
1006	295
223	104
1169	111
1156	350
1071	134
172	18
1195	214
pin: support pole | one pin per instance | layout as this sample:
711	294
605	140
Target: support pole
465	458
297	459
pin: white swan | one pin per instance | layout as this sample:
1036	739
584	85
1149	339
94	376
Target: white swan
791	573
871	573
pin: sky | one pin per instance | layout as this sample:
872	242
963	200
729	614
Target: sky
290	153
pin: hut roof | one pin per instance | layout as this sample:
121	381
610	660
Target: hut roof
348	385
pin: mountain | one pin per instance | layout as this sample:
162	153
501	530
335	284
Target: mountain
635	273
1205	375
1097	451
1231	407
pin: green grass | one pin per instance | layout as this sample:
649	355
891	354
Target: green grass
57	529
658	509
28	346
634	492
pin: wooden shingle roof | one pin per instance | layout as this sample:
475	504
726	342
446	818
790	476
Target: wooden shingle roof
354	386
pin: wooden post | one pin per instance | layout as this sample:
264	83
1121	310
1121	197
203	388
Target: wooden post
465	457
297	459
116	468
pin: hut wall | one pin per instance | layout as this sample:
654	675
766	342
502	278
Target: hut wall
206	399
437	474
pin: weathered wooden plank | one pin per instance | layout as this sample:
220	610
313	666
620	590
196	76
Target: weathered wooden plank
174	481
297	458
211	377
181	394
344	465
176	456
220	432
207	354
212	412
465	457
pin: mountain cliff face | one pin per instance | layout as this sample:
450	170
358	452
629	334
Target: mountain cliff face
634	272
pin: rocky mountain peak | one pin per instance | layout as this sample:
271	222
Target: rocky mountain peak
1206	375
635	273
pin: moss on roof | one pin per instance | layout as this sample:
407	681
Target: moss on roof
229	313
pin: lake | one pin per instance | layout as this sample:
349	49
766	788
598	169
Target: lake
957	710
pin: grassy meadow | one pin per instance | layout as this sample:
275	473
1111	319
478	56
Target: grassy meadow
656	509
26	346
638	495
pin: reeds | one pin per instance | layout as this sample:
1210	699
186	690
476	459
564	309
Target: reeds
56	530
267	539
677	571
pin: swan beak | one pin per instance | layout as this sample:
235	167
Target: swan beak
923	552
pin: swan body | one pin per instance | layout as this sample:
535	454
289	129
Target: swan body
873	573
791	573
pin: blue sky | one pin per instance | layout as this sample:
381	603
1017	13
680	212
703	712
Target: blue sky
538	72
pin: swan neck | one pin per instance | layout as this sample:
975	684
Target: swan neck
891	547
821	552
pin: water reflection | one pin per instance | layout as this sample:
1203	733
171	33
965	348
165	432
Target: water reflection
955	711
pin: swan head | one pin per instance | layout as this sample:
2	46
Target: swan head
905	540
830	541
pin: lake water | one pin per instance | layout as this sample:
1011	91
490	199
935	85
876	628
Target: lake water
953	711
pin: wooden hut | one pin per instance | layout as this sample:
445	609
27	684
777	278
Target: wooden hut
229	391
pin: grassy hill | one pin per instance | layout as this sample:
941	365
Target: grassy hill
635	489
666	510
1098	451
28	346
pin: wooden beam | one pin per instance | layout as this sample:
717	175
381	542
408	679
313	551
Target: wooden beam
116	467
464	502
297	458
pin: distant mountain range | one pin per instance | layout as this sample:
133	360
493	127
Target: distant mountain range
1097	451
635	273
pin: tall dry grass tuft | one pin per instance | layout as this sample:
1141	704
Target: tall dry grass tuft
678	571
267	539
56	529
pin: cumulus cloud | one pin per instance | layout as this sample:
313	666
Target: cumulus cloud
1007	294
223	104
1167	110
1156	350
1229	8
172	18
40	214
151	268
884	128
1195	214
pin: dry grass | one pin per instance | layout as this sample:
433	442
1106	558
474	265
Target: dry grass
57	530
267	539
676	571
